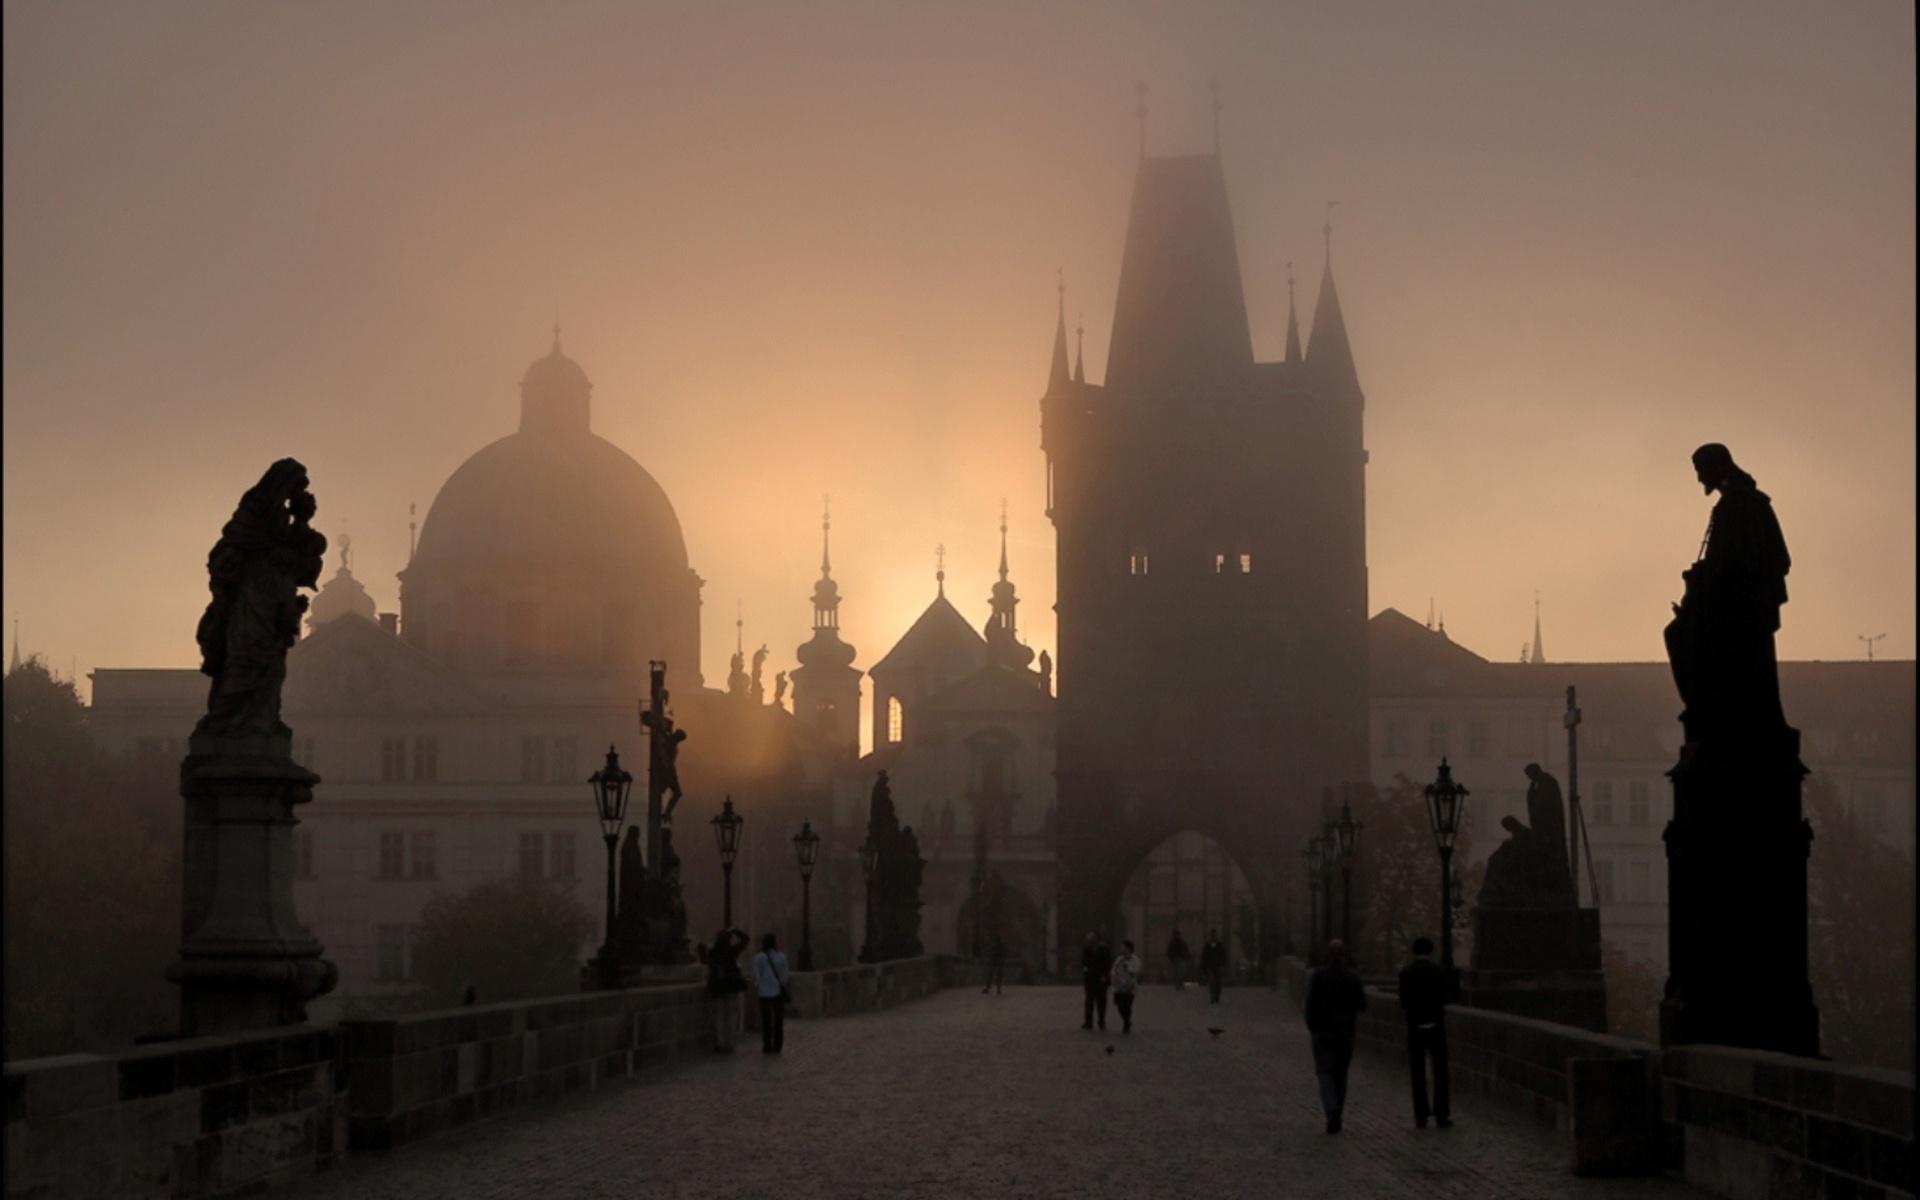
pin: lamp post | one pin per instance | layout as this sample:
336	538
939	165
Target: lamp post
726	831
1313	854
806	845
1347	830
869	862
611	787
1329	853
1443	810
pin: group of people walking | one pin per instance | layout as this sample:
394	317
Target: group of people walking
1102	970
1335	999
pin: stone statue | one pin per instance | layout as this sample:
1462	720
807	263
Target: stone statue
755	688
634	885
737	681
1720	641
663	755
1529	869
780	690
265	555
1046	672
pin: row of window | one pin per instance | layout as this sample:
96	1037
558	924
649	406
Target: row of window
1224	563
1397	741
415	854
549	761
417	760
1638	880
1599	806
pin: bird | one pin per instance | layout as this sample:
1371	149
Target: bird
1109	1049
1215	1032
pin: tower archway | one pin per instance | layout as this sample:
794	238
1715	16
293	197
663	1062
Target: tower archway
1189	883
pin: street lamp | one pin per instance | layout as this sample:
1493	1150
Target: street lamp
1313	854
726	831
1329	854
869	863
1443	810
806	845
611	786
1348	831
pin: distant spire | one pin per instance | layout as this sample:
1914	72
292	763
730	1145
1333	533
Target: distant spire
1429	612
1080	350
1003	539
940	568
1141	112
1213	85
1328	352
739	627
346	553
1058	377
1538	655
412	527
556	337
1293	321
826	532
15	664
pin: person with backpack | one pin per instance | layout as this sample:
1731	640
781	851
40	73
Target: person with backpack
770	977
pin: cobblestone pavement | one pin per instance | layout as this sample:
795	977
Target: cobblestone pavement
965	1095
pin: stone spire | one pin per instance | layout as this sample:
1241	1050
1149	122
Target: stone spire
826	688
1059	377
1003	640
1080	351
1328	354
1538	655
1293	322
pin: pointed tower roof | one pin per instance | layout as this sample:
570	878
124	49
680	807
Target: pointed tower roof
1080	351
1328	354
1538	655
826	649
1293	321
1180	316
940	638
1003	641
1058	377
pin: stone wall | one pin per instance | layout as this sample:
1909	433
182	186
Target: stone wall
1755	1124
206	1116
1743	1124
864	987
410	1076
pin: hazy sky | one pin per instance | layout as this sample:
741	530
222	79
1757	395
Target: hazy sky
811	248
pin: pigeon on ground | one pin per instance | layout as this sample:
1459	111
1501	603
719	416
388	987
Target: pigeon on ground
1109	1049
1215	1032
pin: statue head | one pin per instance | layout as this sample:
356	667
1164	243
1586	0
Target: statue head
1714	466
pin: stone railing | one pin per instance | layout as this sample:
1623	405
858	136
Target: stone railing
1744	1124
205	1116
865	987
410	1076
1754	1125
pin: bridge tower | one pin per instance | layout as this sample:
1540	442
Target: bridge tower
1210	513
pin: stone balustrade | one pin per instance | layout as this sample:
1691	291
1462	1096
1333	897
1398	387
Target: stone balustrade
865	987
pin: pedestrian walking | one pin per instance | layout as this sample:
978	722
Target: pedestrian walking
1213	964
1096	966
996	966
1335	1000
1126	981
1178	956
770	977
1425	991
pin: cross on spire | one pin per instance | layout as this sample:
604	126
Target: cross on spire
826	531
940	567
1003	538
1328	230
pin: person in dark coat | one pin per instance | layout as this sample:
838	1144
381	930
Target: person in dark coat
1335	1000
1425	990
1213	964
1096	968
996	967
1178	956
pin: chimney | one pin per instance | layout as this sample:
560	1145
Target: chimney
391	623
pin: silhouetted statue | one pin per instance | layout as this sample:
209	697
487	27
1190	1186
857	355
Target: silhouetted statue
634	886
780	690
265	555
893	929
737	681
1529	869
663	755
1046	672
1721	638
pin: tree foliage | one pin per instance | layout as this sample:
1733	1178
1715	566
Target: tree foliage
1634	989
509	939
92	894
1860	936
1396	874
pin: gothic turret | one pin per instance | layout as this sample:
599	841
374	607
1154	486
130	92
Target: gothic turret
1329	357
1003	640
826	687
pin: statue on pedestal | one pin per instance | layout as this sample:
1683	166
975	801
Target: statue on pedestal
1737	845
246	962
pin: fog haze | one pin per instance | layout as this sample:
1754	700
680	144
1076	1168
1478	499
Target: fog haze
809	249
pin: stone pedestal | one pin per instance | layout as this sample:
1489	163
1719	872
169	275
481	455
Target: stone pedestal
1737	897
1539	962
246	961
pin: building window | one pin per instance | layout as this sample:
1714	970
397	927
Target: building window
561	764
1246	564
426	759
1137	563
395	961
1478	739
1603	879
302	854
425	864
532	854
533	759
393	759
393	854
1602	803
561	860
896	719
1396	740
1638	809
1639	882
1436	738
303	752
